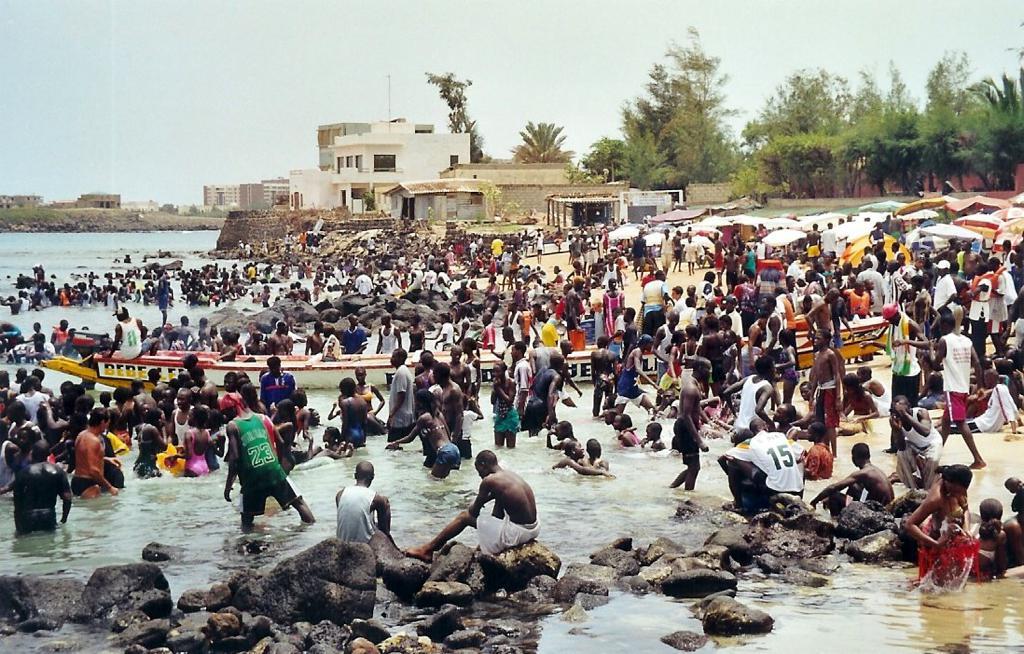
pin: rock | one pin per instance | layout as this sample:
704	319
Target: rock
330	581
622	561
697	583
635	584
327	633
724	616
50	598
514	568
230	319
799	577
771	564
624	543
767	535
860	519
436	593
372	630
570	585
465	639
330	315
218	597
223	625
907	503
713	557
151	633
158	552
404	577
136	649
321	648
686	641
590	602
126	619
192	600
734	539
33	625
655	574
575	613
659	548
874	548
442	623
361	646
116	588
259	627
451	564
283	648
191	642
296	311
352	303
267	320
825	566
406	644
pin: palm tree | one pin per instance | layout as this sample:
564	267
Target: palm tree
542	143
1004	96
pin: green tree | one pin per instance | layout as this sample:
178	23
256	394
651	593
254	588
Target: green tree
453	92
645	165
574	174
542	143
998	130
607	159
684	114
948	85
809	101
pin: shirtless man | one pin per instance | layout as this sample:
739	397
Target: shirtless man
451	400
280	343
602	374
89	480
36	489
686	439
442	456
460	372
315	341
866	483
512	522
712	348
825	387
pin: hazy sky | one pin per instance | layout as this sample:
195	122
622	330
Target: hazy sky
154	99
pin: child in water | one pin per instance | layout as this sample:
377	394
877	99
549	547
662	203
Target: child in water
626	434
653	437
992	540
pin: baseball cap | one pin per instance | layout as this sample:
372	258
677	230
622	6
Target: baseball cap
890	310
942	265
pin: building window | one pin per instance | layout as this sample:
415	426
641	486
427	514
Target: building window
453	160
339	164
383	163
348	162
359	161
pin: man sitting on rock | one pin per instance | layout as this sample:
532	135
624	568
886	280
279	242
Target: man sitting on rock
865	483
512	522
761	466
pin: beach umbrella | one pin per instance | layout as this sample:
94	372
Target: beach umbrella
702	241
924	203
977	203
749	221
783	237
853	230
821	220
885	206
917	240
716	222
980	223
950	232
623	233
654	239
1017	200
854	252
782	223
919	216
1011	213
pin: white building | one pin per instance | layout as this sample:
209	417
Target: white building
373	162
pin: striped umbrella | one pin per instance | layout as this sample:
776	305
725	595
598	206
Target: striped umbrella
985	225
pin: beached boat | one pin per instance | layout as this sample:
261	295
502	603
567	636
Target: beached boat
868	338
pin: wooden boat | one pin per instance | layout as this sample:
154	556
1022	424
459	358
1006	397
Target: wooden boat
868	338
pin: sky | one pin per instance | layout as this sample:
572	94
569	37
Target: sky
153	99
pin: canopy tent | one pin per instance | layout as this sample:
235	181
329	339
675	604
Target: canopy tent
951	232
870	217
1010	227
678	216
885	206
980	223
695	228
978	203
924	203
623	233
854	252
917	240
783	237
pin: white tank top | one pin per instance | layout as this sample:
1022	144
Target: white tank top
180	429
748	402
956	368
354	522
131	341
388	342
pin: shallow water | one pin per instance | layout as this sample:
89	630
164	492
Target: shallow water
862	609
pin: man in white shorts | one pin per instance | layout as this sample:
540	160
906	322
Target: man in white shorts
512	521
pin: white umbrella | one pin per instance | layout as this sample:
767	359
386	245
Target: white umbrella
749	221
716	221
782	223
623	233
920	215
853	230
783	237
654	239
951	231
821	220
702	241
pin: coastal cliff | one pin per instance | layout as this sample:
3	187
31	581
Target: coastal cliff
101	220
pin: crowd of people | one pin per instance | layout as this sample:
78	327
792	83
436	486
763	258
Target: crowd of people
723	358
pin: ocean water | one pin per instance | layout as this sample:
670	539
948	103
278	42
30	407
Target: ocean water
861	609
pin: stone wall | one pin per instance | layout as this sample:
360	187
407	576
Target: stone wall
268	225
708	193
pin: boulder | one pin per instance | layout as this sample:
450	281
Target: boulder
570	585
799	577
685	641
220	626
296	311
907	503
33	625
372	630
230	319
622	561
734	540
442	623
330	315
330	581
404	577
117	588
267	320
575	613
192	600
589	602
406	644
436	593
659	548
452	563
514	568
361	646
771	564
158	552
697	583
352	303
767	535
50	598
635	584
466	639
724	616
883	545
860	519
328	634
151	633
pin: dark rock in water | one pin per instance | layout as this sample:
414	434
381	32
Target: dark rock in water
192	642
799	577
883	545
622	561
514	568
686	641
767	535
724	616
158	552
570	585
372	630
436	593
734	539
361	646
825	566
116	588
330	581
635	584
439	625
466	639
125	619
406	644
321	648
223	625
267	320
192	600
624	543
260	627
697	583
404	577
451	564
907	503
50	598
860	519
659	548
327	633
771	564
589	602
713	557
136	649
33	625
330	315
384	549
151	633
230	319
232	644
296	310
352	303
282	648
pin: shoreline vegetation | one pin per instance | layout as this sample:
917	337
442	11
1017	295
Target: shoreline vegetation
43	219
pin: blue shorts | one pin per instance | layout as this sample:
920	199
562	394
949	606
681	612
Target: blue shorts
449	455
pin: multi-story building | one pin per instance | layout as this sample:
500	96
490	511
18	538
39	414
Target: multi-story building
221	195
370	162
246	196
18	201
275	192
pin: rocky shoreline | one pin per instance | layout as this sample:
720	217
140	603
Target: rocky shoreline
101	220
324	599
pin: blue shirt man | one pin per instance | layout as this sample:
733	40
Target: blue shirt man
353	339
275	385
